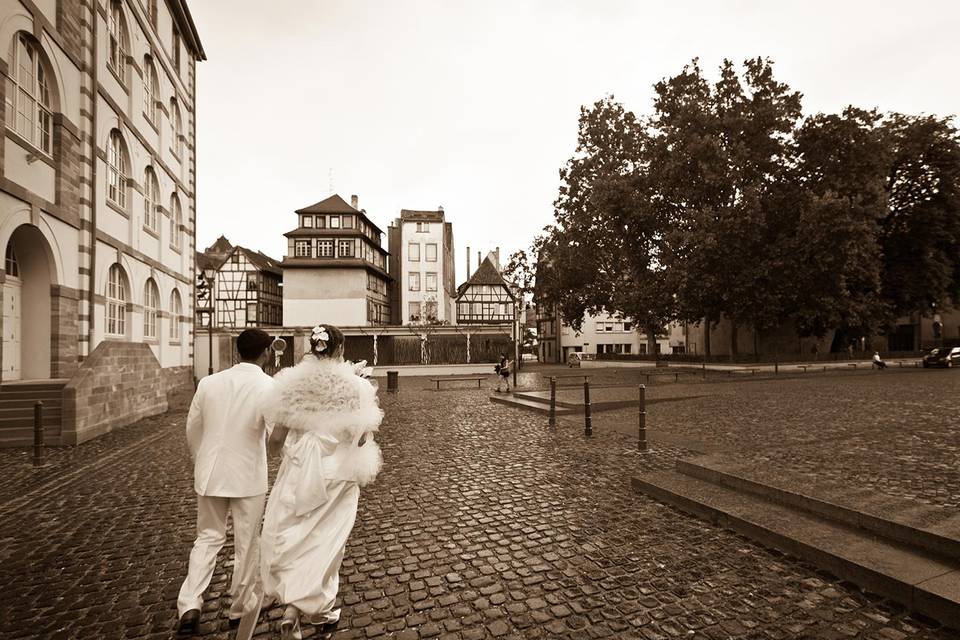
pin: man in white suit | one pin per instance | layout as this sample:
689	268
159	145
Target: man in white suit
226	432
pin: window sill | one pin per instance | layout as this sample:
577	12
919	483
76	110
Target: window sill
38	153
155	234
114	338
116	75
174	343
153	125
155	341
116	207
175	249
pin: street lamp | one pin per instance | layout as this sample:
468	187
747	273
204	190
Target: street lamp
209	273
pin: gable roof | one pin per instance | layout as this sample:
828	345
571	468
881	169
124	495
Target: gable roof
333	204
221	246
486	274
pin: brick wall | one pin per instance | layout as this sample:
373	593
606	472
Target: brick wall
64	327
69	15
177	379
66	151
118	384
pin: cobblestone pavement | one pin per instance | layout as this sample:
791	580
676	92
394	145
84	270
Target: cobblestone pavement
894	432
483	524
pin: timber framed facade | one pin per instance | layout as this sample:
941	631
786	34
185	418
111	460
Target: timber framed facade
486	298
247	290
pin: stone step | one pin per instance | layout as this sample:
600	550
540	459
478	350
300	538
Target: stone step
31	387
22	437
48	403
26	412
922	581
531	405
44	395
941	538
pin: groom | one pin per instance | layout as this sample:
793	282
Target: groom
226	432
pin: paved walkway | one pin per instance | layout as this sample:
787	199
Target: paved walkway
483	524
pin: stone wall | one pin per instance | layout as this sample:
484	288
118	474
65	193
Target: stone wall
118	384
64	327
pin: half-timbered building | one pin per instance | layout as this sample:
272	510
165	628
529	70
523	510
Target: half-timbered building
486	297
247	290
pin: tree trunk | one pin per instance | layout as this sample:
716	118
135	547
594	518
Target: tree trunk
733	340
706	337
651	340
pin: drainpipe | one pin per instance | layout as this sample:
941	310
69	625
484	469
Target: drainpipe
91	289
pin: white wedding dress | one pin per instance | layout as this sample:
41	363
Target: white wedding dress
313	504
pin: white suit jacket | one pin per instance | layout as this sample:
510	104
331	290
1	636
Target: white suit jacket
227	432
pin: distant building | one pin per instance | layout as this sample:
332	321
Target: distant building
421	260
601	333
335	269
486	297
248	290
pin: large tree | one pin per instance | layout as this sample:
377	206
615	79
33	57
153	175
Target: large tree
717	153
834	248
921	232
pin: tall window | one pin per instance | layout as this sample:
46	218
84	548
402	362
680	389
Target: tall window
414	281
414	310
11	264
151	308
413	251
116	301
152	11
324	248
431	282
431	253
151	200
118	40
28	95
176	48
117	169
176	129
347	222
176	310
345	249
176	221
423	227
151	89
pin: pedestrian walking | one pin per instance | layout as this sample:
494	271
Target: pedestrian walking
226	433
502	369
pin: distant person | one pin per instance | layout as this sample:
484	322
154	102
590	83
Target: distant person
502	370
877	362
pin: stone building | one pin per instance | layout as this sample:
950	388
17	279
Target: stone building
421	261
97	209
335	268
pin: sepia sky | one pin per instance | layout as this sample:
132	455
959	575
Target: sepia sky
474	105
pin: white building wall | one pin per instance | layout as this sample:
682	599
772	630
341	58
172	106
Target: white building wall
435	235
594	332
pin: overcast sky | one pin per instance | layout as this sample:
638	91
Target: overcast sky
474	105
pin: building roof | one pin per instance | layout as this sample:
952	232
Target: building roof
221	246
487	274
262	261
412	215
336	204
181	14
206	261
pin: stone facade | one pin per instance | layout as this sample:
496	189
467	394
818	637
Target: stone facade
119	383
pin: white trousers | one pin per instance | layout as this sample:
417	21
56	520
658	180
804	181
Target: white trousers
211	536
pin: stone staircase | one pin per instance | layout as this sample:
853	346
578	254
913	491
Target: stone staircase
907	552
17	400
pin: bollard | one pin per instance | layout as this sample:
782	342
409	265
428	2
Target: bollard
642	433
393	381
38	452
553	402
588	420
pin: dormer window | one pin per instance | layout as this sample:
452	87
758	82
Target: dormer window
334	222
347	222
307	222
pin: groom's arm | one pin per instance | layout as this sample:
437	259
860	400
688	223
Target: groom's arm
195	421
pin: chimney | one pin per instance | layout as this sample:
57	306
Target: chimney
468	264
355	202
440	208
497	254
478	259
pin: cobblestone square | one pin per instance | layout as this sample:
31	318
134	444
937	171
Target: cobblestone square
485	523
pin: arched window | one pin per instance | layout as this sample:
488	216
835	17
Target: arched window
119	42
151	200
151	89
176	220
117	169
176	310
116	301
11	264
28	95
151	307
176	129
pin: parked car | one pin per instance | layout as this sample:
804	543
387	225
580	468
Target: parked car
942	357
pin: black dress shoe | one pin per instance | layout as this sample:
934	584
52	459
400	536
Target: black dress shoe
234	622
327	628
189	623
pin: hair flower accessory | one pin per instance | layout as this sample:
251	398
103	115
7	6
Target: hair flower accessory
319	338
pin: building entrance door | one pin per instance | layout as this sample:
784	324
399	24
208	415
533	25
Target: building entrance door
12	305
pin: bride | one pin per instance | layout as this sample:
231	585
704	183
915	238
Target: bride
324	414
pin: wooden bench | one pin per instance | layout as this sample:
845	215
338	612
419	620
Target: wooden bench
804	367
852	364
585	376
479	380
675	374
